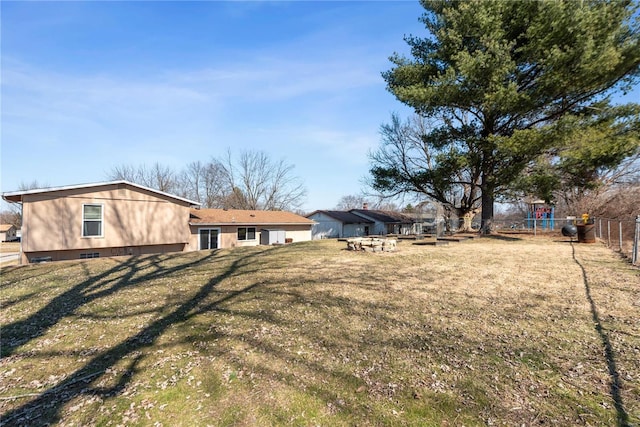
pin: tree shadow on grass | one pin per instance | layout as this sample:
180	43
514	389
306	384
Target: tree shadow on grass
46	408
616	385
109	282
501	237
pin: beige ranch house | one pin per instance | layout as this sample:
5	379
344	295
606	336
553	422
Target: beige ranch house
222	228
122	218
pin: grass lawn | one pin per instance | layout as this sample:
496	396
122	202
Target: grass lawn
492	331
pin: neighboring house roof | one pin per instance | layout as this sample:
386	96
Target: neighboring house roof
6	227
344	217
246	217
16	196
384	216
418	217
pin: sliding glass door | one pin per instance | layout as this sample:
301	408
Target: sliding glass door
209	238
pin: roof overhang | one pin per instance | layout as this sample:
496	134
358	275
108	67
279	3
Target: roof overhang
262	224
341	215
16	196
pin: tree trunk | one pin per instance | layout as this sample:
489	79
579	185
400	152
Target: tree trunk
464	220
487	211
487	187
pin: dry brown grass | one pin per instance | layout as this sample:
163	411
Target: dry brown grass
6	247
498	331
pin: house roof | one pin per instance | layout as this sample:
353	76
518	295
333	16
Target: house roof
344	217
383	216
6	227
16	196
247	217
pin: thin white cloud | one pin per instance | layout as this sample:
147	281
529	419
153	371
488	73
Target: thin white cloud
55	95
274	79
26	88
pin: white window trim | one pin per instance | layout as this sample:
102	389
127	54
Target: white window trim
255	234
219	230
101	221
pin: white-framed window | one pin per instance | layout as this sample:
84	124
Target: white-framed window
92	220
246	233
208	238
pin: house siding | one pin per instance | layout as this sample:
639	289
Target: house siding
132	218
377	228
229	234
325	227
355	230
335	229
328	227
297	233
380	227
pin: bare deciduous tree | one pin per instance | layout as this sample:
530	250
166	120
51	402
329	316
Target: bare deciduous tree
125	172
613	189
204	183
190	181
13	215
254	181
386	205
351	201
157	176
257	182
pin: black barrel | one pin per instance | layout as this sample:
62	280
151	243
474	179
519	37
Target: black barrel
586	233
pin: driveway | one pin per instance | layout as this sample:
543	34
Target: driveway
9	256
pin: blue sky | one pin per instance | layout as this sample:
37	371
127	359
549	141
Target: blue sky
90	85
87	86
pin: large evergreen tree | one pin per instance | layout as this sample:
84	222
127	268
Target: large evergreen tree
504	81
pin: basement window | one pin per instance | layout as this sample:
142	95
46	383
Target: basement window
90	255
246	233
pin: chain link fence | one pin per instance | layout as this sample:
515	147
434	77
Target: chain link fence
622	235
530	225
